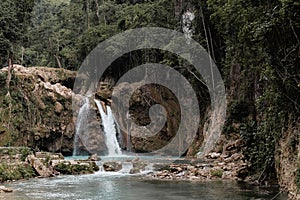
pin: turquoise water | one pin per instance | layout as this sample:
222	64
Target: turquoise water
115	186
123	186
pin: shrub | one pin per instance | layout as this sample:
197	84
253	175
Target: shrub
15	172
25	151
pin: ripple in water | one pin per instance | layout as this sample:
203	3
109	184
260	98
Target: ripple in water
119	187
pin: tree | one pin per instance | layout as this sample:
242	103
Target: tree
14	21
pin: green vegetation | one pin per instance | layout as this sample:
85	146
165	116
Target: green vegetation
255	44
15	172
25	151
66	168
14	21
216	173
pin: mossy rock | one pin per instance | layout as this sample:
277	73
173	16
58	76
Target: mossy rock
75	169
216	173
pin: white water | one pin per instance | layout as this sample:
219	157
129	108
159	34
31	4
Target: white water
81	124
109	130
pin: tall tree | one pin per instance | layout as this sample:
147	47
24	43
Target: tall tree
14	21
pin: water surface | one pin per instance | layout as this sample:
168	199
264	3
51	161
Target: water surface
117	186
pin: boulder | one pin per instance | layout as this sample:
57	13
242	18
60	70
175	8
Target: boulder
39	166
5	189
139	165
213	155
94	157
134	171
112	166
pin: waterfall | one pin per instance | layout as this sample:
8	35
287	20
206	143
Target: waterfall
110	132
81	123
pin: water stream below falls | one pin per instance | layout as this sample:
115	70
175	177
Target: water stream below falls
121	187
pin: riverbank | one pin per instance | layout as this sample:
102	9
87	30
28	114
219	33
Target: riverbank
125	186
214	167
19	163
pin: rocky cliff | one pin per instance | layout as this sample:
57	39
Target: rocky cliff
38	113
287	158
37	110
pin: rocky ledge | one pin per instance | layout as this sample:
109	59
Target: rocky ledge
22	163
47	165
211	168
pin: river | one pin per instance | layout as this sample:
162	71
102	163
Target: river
117	186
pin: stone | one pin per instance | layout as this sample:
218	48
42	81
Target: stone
5	189
139	165
213	155
58	107
57	156
134	171
39	166
94	157
39	155
112	166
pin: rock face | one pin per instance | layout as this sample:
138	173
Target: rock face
38	112
288	161
140	102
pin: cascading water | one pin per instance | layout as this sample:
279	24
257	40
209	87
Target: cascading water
81	124
109	130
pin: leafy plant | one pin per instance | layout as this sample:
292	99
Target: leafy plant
25	151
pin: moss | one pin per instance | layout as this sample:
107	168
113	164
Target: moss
216	173
66	168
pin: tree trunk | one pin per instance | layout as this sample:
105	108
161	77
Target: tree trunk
9	74
97	11
58	61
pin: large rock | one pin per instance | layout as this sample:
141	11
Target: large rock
41	103
75	167
112	166
94	157
40	167
5	189
140	102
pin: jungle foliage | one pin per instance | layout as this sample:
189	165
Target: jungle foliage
255	44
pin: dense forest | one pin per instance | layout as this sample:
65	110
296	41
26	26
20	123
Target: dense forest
255	44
